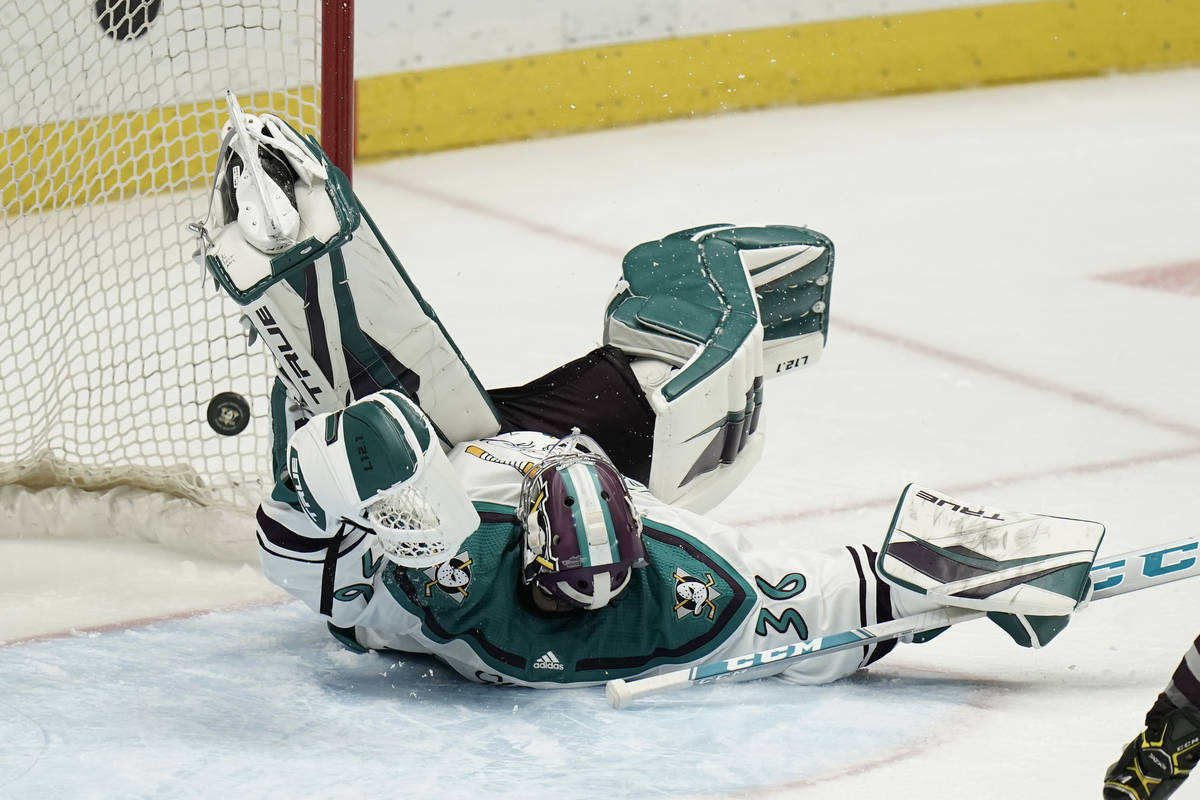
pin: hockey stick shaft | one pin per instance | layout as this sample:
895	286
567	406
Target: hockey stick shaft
1150	566
1120	574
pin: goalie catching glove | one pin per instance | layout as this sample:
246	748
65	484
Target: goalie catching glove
378	465
1029	572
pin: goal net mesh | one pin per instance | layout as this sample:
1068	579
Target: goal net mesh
112	341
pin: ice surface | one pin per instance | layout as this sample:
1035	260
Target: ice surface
263	703
971	349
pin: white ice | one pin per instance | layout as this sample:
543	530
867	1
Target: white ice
972	348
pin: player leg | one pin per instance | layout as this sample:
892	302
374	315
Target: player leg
599	395
1157	761
675	395
310	271
698	313
805	595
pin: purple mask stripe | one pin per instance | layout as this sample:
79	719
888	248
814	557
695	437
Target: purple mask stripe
560	521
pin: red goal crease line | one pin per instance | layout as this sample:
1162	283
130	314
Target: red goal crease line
1179	278
141	622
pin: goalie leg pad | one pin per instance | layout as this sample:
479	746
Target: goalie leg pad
685	312
706	314
791	270
340	314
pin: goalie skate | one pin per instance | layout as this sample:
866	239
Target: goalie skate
257	186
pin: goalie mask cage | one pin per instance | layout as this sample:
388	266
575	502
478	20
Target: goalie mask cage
113	341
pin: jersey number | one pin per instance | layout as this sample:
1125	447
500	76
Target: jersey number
786	588
354	590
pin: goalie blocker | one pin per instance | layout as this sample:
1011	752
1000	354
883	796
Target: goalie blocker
697	321
1027	571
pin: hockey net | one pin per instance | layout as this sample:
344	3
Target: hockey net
112	341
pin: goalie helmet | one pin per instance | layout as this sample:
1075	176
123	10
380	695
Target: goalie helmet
582	533
377	464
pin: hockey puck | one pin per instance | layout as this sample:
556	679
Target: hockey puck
126	19
228	413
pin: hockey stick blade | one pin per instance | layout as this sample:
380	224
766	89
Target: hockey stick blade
1120	574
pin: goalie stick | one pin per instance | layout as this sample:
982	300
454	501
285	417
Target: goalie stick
1127	572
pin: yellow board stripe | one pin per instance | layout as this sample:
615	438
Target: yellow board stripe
61	164
625	84
53	166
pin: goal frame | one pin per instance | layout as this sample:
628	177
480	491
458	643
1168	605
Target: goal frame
337	83
55	497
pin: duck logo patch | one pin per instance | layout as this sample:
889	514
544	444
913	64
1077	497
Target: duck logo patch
450	577
693	596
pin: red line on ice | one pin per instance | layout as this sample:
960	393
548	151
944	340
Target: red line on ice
1028	381
1181	278
841	323
482	210
890	500
140	622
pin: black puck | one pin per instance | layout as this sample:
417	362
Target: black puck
126	19
228	413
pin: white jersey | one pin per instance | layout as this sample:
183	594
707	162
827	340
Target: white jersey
706	595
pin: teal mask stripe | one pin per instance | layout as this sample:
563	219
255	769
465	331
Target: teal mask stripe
581	531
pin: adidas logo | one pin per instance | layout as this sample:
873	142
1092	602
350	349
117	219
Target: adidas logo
548	661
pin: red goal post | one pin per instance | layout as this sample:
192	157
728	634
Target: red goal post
337	82
112	340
